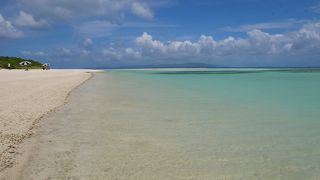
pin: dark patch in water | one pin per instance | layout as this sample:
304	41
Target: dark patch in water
205	72
237	71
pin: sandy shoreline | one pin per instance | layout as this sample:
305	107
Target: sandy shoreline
26	96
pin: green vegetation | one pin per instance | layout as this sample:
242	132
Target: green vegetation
14	62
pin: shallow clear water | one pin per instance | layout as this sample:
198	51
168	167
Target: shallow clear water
186	124
230	123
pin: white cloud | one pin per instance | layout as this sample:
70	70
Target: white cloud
120	53
129	52
305	40
65	52
62	12
146	41
110	9
141	10
310	31
40	53
87	42
257	44
96	28
36	53
27	20
86	47
102	28
315	8
85	52
111	53
26	52
291	23
7	30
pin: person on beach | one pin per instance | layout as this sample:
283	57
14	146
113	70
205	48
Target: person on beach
45	66
9	66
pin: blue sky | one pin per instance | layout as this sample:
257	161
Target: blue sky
105	33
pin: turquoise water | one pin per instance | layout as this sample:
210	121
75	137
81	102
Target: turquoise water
185	124
230	123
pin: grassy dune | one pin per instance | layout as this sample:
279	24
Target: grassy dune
14	62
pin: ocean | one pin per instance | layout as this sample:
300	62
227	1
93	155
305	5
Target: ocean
196	124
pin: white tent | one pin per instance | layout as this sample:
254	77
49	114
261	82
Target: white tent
24	63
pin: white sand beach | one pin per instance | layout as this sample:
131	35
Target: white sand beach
25	97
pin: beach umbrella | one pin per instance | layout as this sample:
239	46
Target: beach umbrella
24	63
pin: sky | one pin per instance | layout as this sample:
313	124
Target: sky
112	33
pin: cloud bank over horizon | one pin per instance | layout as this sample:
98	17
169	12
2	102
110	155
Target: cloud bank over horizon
303	42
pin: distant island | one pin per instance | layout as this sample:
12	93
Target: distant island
14	63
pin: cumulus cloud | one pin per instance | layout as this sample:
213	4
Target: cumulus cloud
257	42
303	42
146	41
7	30
129	52
27	20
